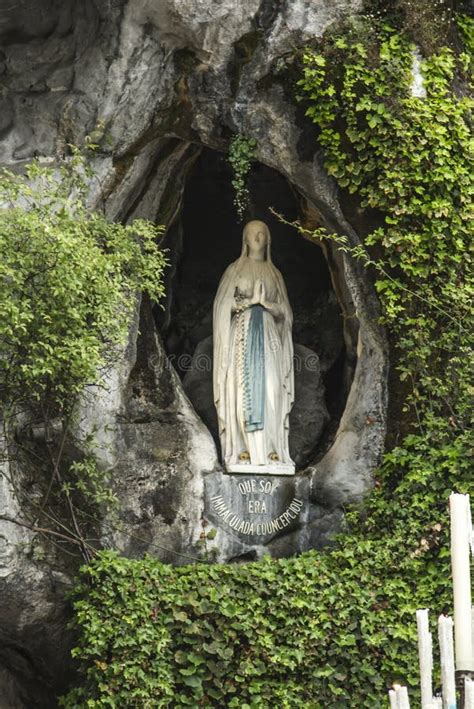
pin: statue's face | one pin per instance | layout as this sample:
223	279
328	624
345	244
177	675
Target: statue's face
256	237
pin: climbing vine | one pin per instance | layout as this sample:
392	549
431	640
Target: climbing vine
333	628
241	155
405	159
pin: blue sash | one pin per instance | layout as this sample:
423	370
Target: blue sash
254	372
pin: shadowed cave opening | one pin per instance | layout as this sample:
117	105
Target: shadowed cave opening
202	242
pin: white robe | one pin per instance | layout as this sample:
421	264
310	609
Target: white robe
269	446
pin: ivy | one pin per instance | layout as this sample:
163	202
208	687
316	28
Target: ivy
323	629
241	155
406	159
428	22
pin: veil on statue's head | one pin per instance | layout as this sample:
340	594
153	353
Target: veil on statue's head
268	252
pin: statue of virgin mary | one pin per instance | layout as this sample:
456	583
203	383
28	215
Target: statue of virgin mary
253	360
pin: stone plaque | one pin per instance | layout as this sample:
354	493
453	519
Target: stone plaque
255	508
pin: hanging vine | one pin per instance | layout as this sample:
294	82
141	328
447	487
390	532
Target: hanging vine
241	156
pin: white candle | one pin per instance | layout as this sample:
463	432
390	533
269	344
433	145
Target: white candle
425	655
461	531
402	698
392	695
445	632
436	703
399	697
468	694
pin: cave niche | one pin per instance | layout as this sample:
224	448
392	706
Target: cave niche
202	241
167	438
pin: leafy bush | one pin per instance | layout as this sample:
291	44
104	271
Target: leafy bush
68	285
67	282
